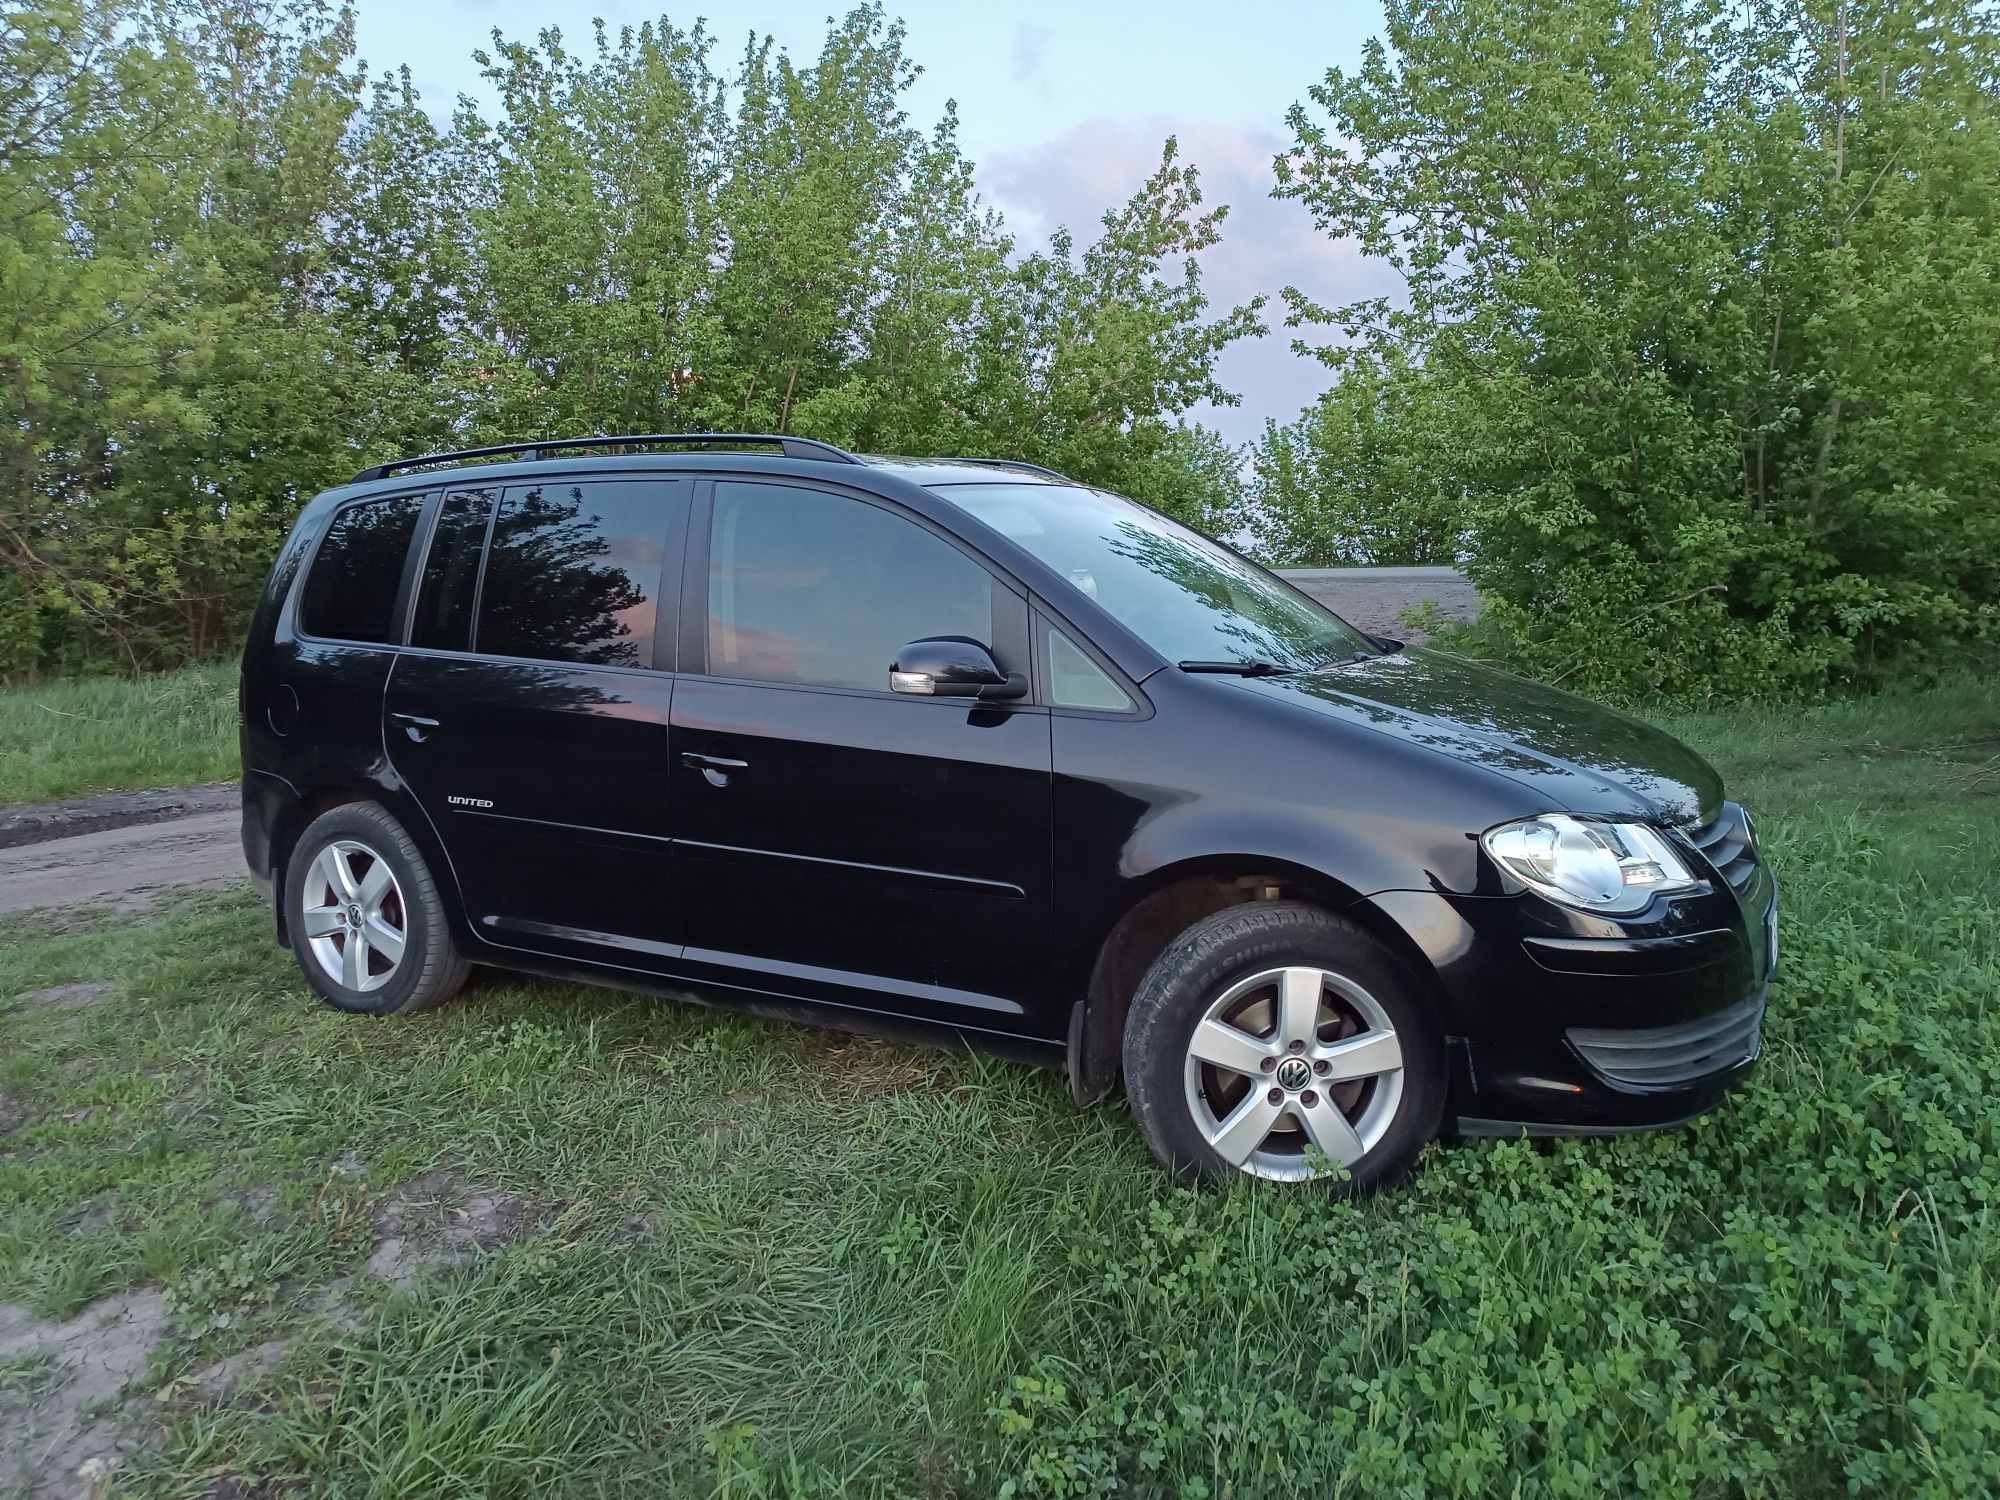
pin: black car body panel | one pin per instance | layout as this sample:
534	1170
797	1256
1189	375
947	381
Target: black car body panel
961	868
1570	753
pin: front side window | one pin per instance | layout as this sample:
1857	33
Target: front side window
573	573
812	588
1179	592
350	594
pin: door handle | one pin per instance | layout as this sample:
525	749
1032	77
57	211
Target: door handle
715	769
416	726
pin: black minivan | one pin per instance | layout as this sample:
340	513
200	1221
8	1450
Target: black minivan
964	749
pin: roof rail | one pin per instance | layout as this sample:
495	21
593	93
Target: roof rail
791	447
1012	463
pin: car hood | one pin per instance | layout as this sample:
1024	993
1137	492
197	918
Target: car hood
1578	756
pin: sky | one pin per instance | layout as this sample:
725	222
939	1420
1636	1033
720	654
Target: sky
1063	106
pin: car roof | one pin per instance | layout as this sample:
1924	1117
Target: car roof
930	471
920	471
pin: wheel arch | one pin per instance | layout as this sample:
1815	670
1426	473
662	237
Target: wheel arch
1169	900
301	812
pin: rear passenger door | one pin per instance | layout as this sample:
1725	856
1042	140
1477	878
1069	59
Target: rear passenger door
529	713
840	841
318	704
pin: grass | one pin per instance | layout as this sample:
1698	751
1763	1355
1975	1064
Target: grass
102	734
724	1256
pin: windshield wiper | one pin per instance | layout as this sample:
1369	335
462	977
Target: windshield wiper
1252	668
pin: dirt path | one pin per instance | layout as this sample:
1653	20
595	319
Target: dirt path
61	820
124	868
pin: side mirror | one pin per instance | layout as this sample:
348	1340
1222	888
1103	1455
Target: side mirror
953	666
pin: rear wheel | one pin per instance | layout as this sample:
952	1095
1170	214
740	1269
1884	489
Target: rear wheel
365	917
1282	1041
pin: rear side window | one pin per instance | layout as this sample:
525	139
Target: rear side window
350	593
573	573
808	587
451	572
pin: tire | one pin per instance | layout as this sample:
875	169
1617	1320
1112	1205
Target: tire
1242	979
389	895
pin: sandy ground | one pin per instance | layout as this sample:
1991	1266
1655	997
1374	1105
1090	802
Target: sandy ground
122	849
123	868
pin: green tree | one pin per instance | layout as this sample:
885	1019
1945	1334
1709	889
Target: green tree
1702	308
1372	475
595	231
232	272
1091	358
90	211
267	153
807	206
401	250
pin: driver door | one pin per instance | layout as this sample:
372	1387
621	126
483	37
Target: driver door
843	842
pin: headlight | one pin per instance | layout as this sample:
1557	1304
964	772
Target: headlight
1606	867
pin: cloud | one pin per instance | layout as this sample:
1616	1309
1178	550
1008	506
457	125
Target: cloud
1031	45
1266	244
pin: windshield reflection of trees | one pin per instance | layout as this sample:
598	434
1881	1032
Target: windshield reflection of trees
1265	625
550	589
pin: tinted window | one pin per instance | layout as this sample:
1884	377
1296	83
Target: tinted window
1075	681
809	587
351	592
573	572
451	572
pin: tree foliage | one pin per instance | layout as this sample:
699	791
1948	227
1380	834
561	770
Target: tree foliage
1701	343
233	270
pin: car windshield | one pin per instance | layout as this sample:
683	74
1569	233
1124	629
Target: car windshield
1180	593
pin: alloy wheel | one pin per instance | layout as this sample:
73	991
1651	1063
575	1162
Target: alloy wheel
1291	1065
354	918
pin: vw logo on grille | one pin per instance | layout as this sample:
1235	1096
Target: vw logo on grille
1294	1073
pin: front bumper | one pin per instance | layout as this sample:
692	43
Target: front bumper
1562	1023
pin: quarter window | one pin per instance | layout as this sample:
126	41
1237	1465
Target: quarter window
814	588
350	594
1075	681
573	573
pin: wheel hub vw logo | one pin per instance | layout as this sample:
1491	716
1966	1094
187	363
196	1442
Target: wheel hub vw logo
1294	1073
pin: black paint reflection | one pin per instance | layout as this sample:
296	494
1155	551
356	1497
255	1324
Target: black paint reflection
522	685
1514	726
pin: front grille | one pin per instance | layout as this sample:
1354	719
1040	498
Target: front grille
1729	846
1674	1054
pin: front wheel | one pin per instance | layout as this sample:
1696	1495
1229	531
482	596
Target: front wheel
366	921
1284	1042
